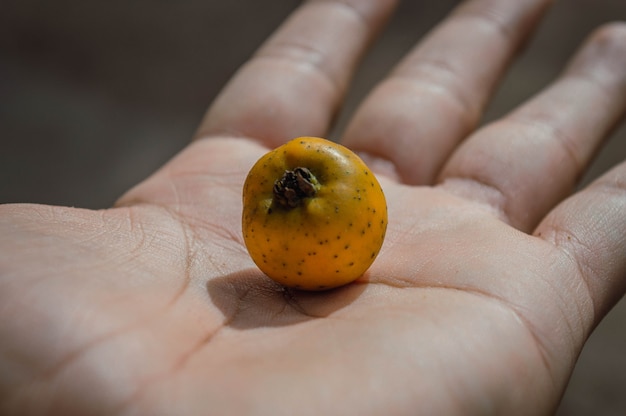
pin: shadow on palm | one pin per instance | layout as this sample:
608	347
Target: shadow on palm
250	300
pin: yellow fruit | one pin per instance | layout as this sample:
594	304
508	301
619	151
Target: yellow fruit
314	215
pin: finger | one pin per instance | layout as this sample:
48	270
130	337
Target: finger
436	96
526	163
590	230
292	86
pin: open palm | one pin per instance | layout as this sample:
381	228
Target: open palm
483	294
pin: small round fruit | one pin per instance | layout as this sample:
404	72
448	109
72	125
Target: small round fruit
314	215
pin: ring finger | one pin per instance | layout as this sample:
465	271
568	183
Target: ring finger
526	163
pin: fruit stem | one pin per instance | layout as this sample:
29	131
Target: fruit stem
294	186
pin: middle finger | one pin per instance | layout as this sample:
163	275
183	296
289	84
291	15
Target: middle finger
435	97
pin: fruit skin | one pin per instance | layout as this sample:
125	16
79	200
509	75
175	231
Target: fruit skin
327	240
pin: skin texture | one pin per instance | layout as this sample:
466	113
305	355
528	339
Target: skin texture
330	238
492	275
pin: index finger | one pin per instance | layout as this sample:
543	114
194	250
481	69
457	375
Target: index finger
293	85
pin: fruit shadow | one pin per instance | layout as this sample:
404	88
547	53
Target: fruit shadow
249	299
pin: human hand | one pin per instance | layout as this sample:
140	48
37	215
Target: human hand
487	286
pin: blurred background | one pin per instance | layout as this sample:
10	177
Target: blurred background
95	95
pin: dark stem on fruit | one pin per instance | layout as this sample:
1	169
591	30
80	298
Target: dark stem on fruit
294	186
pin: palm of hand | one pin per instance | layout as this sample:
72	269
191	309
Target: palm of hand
160	296
154	307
